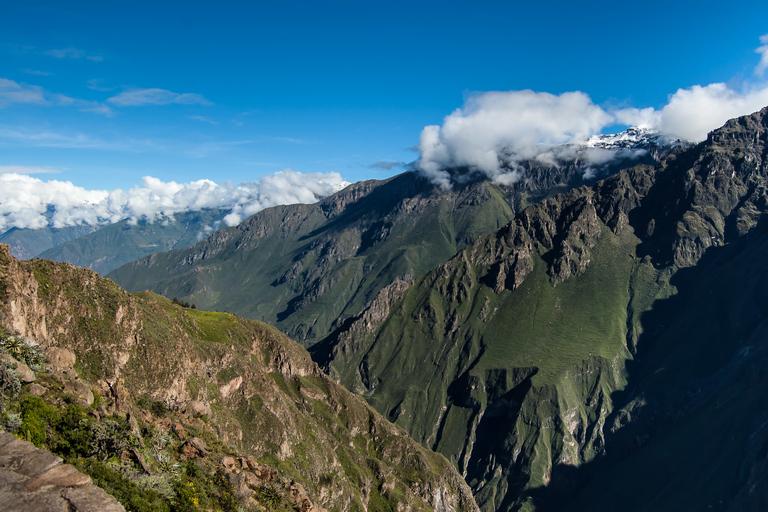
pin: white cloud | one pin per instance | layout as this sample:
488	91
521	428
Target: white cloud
692	113
498	128
203	119
96	85
36	72
763	51
27	202
22	169
140	97
494	131
14	92
72	53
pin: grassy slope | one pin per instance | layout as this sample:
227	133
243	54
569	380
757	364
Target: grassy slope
117	244
302	268
523	388
267	398
28	243
543	336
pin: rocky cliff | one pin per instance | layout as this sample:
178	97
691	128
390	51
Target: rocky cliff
235	397
602	351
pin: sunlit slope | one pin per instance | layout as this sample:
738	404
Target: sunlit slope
244	386
308	268
301	267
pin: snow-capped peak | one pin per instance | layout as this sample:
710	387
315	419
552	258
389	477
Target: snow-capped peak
632	138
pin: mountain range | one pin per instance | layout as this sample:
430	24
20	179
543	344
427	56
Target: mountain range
588	336
603	351
307	268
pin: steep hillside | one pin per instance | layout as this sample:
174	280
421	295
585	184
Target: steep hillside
117	244
306	268
603	351
28	243
231	394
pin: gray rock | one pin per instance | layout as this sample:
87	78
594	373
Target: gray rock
198	407
79	390
61	358
62	475
27	375
36	390
91	499
23	458
33	480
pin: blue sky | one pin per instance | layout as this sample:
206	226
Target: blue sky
103	94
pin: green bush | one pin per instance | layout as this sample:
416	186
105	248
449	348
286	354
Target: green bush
130	495
37	419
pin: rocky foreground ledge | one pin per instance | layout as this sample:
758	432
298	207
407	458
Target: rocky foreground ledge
33	480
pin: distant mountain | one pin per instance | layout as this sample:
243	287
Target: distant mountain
606	350
193	410
28	243
117	244
307	268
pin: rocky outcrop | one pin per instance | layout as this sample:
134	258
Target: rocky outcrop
33	480
242	382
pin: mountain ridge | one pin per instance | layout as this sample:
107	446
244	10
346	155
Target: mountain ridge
341	251
508	358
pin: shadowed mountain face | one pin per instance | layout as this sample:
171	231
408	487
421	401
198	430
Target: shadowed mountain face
606	350
307	268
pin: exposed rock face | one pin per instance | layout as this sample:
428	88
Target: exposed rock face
33	480
26	374
597	331
261	391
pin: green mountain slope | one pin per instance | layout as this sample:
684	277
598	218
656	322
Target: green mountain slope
277	432
117	244
576	346
307	268
28	243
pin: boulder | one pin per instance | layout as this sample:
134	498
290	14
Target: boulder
194	448
36	389
61	359
26	374
198	407
79	390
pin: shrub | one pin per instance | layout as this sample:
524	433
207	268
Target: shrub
37	417
109	437
12	422
10	380
24	350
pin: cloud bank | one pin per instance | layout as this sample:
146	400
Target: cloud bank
27	202
495	130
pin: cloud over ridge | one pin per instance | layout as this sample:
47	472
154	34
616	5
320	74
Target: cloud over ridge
27	202
496	130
